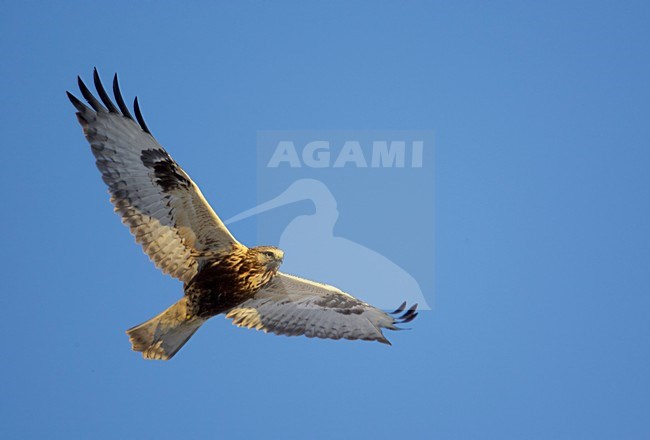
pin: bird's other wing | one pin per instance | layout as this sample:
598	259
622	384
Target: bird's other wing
162	206
293	306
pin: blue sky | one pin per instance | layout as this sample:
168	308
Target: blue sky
540	112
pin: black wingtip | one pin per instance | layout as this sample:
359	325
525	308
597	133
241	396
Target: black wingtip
409	318
75	101
89	96
102	92
120	101
80	106
399	309
409	315
138	115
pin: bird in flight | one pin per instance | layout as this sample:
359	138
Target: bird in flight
184	237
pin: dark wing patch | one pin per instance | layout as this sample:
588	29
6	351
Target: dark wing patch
168	174
341	304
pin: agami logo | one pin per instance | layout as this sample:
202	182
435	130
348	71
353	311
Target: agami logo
369	233
318	154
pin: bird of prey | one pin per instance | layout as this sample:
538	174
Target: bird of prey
185	238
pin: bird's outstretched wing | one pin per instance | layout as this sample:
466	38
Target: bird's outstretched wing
164	209
294	306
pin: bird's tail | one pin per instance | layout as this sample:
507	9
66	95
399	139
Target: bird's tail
161	337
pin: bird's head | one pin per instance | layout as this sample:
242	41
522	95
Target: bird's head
268	256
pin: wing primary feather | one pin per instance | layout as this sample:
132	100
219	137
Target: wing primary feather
119	99
408	318
80	106
409	315
138	115
102	93
400	309
89	97
174	229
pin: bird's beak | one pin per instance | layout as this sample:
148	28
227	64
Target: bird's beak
276	266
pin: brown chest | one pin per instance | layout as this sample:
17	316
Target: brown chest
223	285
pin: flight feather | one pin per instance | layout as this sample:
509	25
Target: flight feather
155	197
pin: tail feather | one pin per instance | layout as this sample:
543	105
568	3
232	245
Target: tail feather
161	337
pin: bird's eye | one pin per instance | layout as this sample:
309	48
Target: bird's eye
268	254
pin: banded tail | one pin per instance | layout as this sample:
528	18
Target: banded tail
161	337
